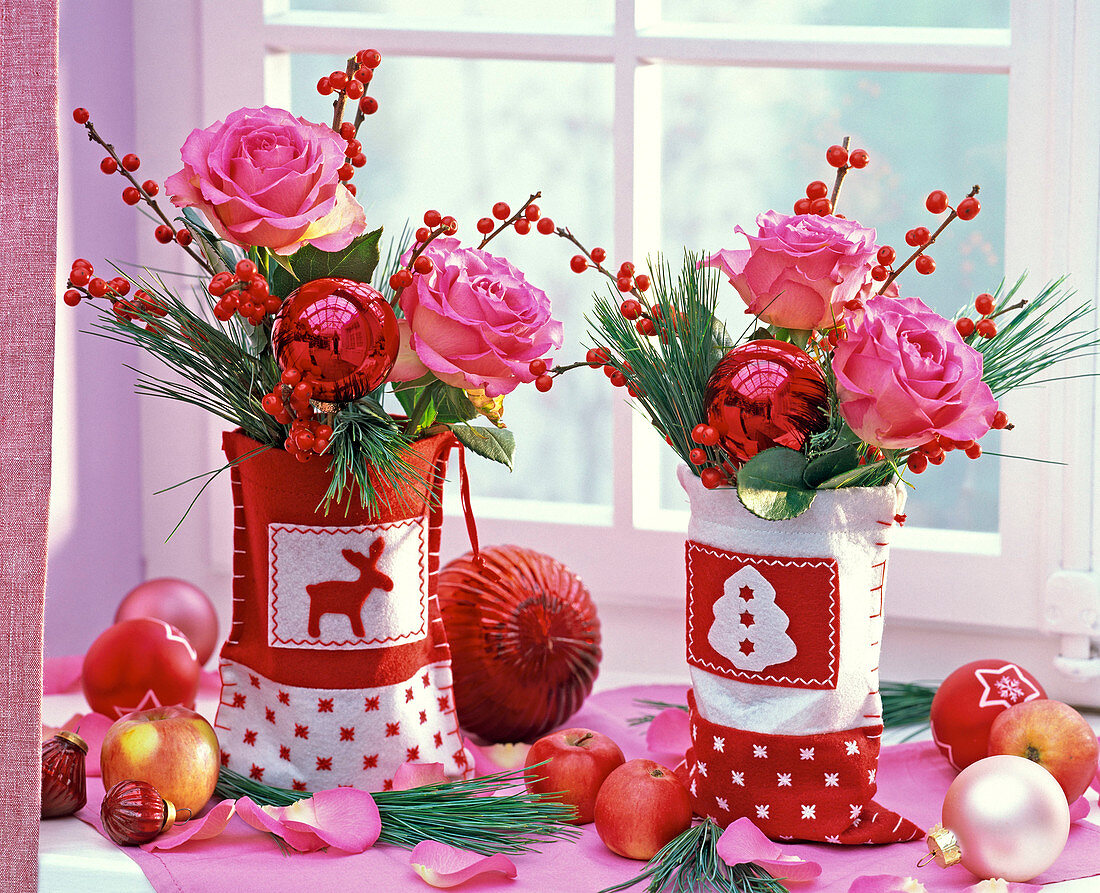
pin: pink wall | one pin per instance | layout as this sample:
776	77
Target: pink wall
95	542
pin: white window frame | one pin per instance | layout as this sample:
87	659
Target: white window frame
1016	587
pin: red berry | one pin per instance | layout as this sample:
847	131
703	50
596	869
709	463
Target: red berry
617	379
345	172
347	130
624	283
886	255
353	148
646	326
630	309
350	187
108	165
271	403
984	303
917	462
596	357
968	208
531	212
544	382
697	432
925	264
537	367
97	287
522	226
545	226
358	161
81	262
821	207
324	87
485	225
150	187
338	79
816	189
404	278
936	201
937	458
879	273
599	255
712	478
626	269
120	286
432	218
131	162
131	195
973	451
164	234
1000	420
917	236
371	58
368	105
72	296
449	225
710	436
802	206
501	211
697	456
421	234
354	89
291	376
80	115
641	282
245	269
964	326
578	263
184	237
364	75
423	265
986	328
858	158
837	156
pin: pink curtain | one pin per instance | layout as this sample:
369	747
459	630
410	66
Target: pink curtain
28	246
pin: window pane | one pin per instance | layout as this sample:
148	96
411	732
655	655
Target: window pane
754	138
441	13
459	135
927	14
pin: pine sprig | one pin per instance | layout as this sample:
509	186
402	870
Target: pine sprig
690	864
668	371
491	814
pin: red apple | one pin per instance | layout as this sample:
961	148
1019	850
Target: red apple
1052	734
580	760
172	748
641	807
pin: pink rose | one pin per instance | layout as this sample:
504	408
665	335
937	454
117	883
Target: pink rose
474	321
903	374
800	269
269	179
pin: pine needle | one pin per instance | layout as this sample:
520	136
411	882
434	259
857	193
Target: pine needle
491	814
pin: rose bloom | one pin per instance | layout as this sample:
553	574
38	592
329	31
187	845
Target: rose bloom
800	269
268	179
903	373
474	321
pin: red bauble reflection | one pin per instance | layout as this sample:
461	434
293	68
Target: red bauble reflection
525	642
764	394
179	603
340	334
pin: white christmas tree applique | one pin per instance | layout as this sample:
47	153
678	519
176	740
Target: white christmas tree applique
750	629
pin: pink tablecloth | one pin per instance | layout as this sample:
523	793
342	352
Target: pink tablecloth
912	780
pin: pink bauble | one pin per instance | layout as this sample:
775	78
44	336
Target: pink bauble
341	335
764	394
140	663
179	603
1009	816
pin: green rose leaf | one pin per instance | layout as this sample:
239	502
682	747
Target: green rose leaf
498	444
830	463
451	404
770	484
356	262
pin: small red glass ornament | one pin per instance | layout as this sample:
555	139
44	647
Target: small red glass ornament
969	699
341	335
764	394
140	663
179	603
134	812
525	642
64	786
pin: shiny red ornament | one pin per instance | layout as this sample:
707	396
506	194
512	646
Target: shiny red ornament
764	394
525	642
64	784
134	812
140	663
341	335
176	602
969	699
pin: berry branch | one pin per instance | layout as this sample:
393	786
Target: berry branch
970	197
841	172
508	220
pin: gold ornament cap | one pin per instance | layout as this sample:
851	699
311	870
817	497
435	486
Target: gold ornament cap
72	738
943	847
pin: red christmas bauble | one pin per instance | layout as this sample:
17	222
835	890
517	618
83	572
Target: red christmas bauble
970	698
341	335
140	663
134	812
64	783
764	394
525	642
178	603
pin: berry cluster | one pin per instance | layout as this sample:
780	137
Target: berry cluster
528	214
83	282
707	436
817	200
936	449
985	326
352	84
244	292
289	404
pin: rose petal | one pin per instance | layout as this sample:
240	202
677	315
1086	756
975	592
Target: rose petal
886	883
742	841
415	775
1079	809
1000	885
210	825
344	818
498	757
92	727
270	818
670	732
1096	780
446	866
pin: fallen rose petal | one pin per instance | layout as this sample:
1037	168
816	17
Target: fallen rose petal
446	866
270	818
61	675
1079	809
210	825
344	818
498	757
92	727
1000	885
886	883
416	775
669	732
1096	780
742	841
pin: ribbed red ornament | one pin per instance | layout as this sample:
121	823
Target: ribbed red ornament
64	787
133	813
525	642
